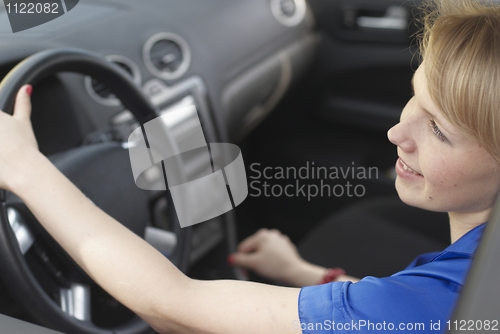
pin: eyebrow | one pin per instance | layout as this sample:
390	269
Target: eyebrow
430	114
413	88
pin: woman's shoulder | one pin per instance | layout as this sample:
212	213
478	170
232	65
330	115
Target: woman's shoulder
399	299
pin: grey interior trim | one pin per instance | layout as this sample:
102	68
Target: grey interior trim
15	326
480	298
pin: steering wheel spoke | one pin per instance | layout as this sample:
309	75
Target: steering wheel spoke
21	230
75	301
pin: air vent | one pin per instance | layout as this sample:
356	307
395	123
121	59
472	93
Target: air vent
289	12
288	7
100	92
167	55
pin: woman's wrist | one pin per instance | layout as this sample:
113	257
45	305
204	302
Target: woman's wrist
26	172
332	275
304	274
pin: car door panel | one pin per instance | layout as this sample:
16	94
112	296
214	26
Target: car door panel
366	60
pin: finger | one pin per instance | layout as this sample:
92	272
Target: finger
22	107
251	243
244	260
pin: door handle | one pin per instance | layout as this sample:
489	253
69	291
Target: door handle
395	18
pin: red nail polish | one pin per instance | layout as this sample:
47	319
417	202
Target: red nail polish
29	90
230	259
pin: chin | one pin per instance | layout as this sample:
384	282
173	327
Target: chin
412	198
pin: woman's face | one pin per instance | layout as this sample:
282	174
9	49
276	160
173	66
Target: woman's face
440	169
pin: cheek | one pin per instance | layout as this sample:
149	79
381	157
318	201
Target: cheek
445	177
457	178
438	168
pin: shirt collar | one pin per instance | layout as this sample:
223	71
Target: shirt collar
465	246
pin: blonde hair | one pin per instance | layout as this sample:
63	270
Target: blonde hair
460	45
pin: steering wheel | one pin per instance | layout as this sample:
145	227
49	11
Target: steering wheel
53	290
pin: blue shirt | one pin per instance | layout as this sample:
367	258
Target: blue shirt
418	299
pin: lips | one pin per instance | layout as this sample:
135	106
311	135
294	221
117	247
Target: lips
406	172
407	168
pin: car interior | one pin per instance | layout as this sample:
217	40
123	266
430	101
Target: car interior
307	89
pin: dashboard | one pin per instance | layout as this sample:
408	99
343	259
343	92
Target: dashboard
243	54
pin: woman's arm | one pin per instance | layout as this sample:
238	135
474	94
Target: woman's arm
122	263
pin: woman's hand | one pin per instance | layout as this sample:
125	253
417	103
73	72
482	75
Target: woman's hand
17	140
268	253
272	255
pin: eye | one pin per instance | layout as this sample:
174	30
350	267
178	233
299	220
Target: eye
437	132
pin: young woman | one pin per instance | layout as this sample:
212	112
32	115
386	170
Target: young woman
449	157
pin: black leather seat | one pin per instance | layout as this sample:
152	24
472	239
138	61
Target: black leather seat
376	237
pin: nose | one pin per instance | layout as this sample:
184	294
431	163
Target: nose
394	134
401	136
